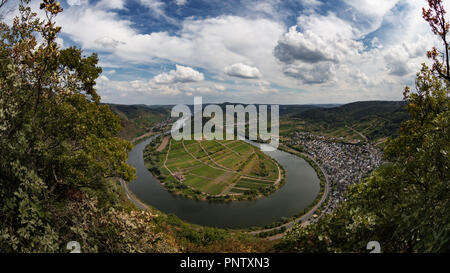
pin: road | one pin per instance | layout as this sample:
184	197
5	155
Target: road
303	219
124	185
131	197
167	157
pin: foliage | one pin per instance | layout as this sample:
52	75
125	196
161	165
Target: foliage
111	230
195	239
138	119
435	16
60	159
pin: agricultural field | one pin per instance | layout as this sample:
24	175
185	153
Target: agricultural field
212	169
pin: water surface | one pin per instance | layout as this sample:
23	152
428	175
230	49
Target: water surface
301	188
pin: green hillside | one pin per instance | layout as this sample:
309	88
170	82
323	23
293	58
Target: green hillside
374	119
138	119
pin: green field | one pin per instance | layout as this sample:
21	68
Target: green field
214	168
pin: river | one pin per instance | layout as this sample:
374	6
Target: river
301	188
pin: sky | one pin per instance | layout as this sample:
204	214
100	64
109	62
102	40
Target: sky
267	51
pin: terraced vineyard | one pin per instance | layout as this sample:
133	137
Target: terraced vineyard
213	169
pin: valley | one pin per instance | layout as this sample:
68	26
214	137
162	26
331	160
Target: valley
225	171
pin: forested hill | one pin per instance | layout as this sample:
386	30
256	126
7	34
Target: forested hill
356	111
138	119
375	119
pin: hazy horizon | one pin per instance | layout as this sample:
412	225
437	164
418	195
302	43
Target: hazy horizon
283	104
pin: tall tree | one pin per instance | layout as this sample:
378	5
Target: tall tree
58	144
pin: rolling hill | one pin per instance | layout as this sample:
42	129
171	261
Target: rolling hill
374	119
137	119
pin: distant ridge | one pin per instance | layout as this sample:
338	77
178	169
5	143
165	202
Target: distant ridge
356	111
376	119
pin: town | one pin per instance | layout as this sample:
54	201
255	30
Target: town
344	164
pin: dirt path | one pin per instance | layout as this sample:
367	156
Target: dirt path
163	144
194	157
228	148
167	157
233	171
279	174
212	160
359	133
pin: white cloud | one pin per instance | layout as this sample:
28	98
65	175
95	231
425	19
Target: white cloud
377	8
326	25
320	39
182	74
312	73
311	3
111	72
219	87
207	43
111	4
313	54
180	2
312	47
155	6
77	2
205	90
369	13
111	87
325	51
264	87
323	55
107	42
241	70
89	26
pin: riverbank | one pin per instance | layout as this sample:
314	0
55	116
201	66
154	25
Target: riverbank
279	229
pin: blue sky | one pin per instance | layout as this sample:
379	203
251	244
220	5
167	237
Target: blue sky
267	51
